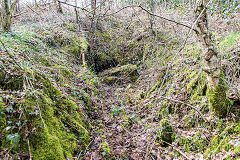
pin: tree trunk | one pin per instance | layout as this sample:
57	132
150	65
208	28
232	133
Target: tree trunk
59	8
219	103
7	13
151	17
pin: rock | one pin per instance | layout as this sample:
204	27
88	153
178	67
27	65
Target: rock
120	74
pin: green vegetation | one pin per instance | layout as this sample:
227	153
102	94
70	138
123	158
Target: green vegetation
37	114
141	93
166	133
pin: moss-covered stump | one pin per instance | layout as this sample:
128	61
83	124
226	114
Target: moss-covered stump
219	103
121	74
166	133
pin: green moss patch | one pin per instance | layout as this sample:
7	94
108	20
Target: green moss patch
218	101
166	132
51	122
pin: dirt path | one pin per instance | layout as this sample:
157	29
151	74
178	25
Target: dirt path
127	123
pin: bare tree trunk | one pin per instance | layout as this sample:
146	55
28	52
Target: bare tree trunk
7	12
58	6
152	8
93	4
93	22
219	103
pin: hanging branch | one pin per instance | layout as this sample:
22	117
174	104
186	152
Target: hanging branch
152	14
135	6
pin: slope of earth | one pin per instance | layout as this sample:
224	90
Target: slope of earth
52	107
171	90
46	95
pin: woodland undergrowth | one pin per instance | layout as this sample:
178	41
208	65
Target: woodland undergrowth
54	107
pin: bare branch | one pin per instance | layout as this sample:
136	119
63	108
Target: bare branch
152	14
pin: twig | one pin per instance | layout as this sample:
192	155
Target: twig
178	150
80	153
29	149
74	6
177	101
152	14
190	31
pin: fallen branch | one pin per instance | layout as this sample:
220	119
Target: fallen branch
177	101
178	150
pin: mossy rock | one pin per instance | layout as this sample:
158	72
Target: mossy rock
220	142
121	74
166	133
197	143
111	80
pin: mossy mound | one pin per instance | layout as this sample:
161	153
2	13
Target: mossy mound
46	121
197	143
166	133
44	95
121	74
219	103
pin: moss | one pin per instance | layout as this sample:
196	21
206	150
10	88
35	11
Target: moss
53	122
64	71
2	116
57	128
111	80
219	142
106	148
42	113
129	72
2	77
199	142
186	143
166	132
219	103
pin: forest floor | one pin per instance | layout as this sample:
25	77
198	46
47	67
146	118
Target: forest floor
129	124
117	121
